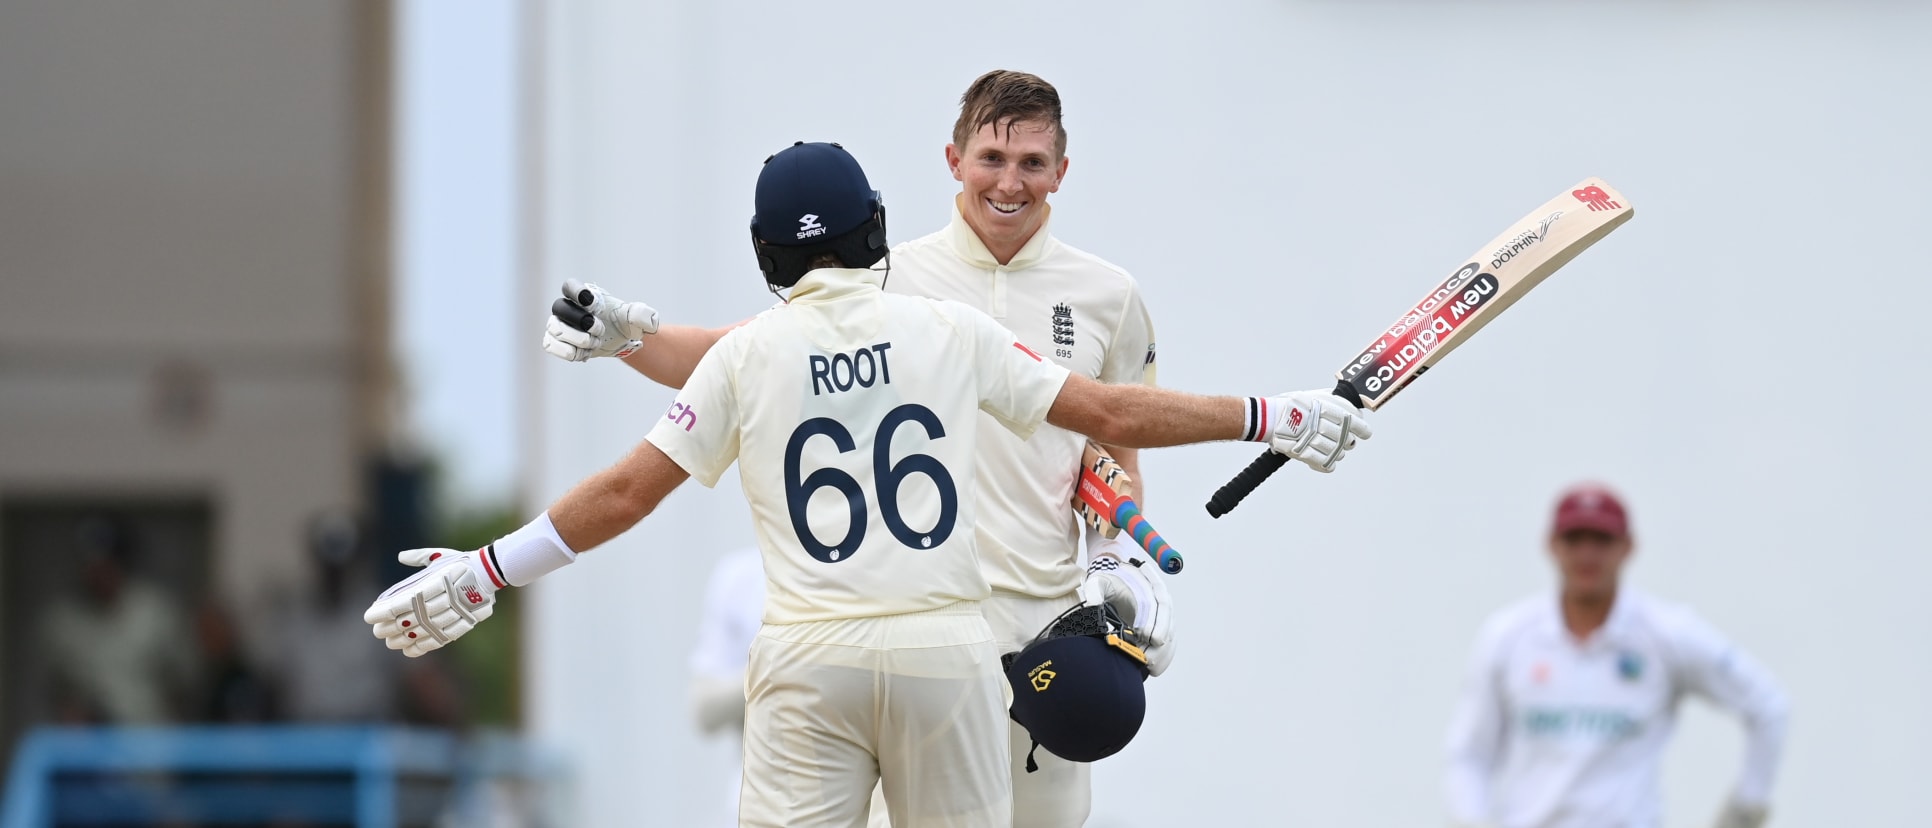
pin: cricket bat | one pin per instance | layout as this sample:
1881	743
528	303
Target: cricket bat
1495	277
1103	498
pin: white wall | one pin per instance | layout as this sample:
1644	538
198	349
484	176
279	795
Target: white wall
1283	178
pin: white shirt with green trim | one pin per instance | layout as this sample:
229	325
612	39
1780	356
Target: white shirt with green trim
1552	732
854	417
1073	308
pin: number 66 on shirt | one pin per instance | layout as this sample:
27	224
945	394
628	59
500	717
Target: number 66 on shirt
888	477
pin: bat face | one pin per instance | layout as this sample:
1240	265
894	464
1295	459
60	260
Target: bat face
1496	275
1101	484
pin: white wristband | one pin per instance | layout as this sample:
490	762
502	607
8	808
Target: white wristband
527	554
1257	424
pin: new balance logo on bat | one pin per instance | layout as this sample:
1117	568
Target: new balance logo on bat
1596	198
1391	357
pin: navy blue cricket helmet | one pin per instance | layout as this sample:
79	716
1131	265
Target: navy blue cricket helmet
1078	688
814	199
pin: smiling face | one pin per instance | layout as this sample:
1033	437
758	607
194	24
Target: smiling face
1006	172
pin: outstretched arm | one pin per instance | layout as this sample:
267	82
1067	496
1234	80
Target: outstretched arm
1314	427
670	355
1142	416
588	322
456	590
608	503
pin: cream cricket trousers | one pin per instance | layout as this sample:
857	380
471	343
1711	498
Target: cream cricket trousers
914	704
1060	793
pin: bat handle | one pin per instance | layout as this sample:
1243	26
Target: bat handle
1127	516
1231	494
572	314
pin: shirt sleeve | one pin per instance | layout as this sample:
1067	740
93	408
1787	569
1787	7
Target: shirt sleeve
699	431
1476	732
1710	666
1130	354
1016	386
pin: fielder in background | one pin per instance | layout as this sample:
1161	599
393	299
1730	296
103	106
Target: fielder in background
734	606
855	414
1570	698
1008	152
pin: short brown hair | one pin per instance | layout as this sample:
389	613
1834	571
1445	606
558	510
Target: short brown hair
1004	98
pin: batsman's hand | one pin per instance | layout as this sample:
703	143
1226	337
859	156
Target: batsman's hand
433	607
1121	576
617	327
1315	427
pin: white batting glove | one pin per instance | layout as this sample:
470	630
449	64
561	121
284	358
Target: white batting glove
1315	427
617	328
1121	576
1742	816
435	606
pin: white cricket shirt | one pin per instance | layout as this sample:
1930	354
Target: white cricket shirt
734	603
1551	732
855	415
1072	308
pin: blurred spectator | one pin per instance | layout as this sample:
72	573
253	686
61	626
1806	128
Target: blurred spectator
1571	697
734	608
117	648
233	691
331	669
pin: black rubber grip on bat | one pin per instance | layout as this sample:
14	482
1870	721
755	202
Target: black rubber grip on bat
1234	491
572	314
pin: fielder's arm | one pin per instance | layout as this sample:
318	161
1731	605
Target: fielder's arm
1477	731
1709	665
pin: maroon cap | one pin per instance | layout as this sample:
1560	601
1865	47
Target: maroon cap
1590	507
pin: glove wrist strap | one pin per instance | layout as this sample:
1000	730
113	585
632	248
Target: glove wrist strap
527	554
1257	425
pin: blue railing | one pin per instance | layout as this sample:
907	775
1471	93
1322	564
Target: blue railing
366	777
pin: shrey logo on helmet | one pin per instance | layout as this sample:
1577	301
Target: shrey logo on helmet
808	226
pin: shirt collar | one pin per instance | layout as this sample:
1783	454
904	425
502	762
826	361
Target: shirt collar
1615	628
831	283
967	246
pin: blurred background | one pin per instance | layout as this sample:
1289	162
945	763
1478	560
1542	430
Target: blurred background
273	275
